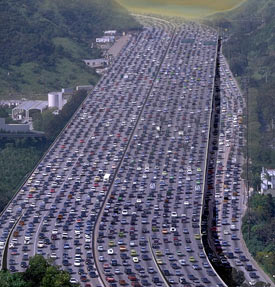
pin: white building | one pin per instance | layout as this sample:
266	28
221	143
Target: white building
55	100
110	32
96	63
105	39
267	180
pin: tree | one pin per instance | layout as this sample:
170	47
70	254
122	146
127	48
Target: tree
237	276
11	280
36	271
55	278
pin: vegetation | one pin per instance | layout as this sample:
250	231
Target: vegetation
44	42
40	273
259	230
17	159
250	51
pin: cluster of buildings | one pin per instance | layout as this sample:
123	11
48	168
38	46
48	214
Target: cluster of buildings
110	43
109	37
21	109
268	181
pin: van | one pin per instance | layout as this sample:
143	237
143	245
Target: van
106	177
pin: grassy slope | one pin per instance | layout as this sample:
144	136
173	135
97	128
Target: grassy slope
43	42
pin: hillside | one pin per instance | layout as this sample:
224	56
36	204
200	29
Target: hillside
43	42
250	52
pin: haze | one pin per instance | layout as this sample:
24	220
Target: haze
183	8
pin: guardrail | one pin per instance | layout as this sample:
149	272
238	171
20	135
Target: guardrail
156	263
206	159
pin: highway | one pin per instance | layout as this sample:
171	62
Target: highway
117	200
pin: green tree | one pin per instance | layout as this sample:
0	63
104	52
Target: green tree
11	280
55	278
36	271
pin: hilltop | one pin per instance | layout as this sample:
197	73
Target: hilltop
43	42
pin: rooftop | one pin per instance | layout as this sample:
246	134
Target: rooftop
32	105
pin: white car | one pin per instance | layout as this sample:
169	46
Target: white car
233	227
11	245
182	262
174	214
40	244
76	262
53	255
110	251
117	271
101	258
73	281
135	259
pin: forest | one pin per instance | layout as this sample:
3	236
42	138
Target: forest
40	273
259	230
17	159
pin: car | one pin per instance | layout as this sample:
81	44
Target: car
101	258
205	280
253	275
73	281
183	262
40	244
196	267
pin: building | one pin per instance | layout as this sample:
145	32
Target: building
14	128
55	100
22	111
267	180
67	91
96	63
110	33
85	88
105	39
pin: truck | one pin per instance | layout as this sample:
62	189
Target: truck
106	177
